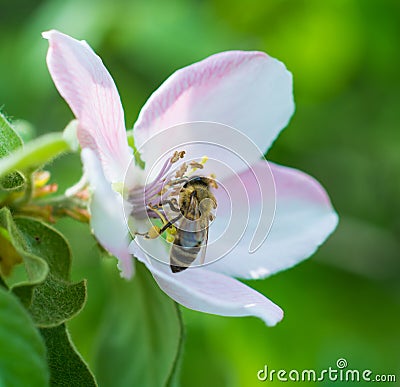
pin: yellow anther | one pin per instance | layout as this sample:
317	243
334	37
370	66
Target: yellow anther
204	159
40	178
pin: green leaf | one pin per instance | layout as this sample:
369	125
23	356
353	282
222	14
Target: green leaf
35	153
9	257
55	300
12	181
9	142
67	368
3	284
141	335
22	351
48	243
9	139
33	269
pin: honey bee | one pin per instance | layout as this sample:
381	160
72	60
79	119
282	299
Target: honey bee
196	205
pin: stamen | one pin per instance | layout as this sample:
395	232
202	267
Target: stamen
41	178
164	189
154	188
181	171
195	165
177	155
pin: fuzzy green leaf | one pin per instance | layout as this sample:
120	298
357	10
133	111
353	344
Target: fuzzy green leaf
35	153
12	181
9	142
67	368
141	334
22	351
9	139
48	243
55	300
18	265
9	257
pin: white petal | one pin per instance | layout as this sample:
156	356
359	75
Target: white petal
249	91
304	218
107	214
210	292
228	150
84	82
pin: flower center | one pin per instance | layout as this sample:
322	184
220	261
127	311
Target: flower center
179	199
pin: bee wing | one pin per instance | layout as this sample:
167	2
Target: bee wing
188	240
193	211
188	244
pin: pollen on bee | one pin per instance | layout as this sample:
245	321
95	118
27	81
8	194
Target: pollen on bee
213	182
170	238
170	234
172	230
153	233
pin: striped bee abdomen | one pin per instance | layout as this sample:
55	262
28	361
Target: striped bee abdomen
182	257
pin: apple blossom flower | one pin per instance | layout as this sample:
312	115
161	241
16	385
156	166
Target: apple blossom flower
248	91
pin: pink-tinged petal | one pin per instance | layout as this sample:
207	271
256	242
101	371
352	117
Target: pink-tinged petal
83	81
210	292
304	218
249	91
107	214
228	150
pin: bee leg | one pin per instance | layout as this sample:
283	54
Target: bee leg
172	204
156	231
170	223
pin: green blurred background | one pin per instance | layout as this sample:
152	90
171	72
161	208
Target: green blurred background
345	301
